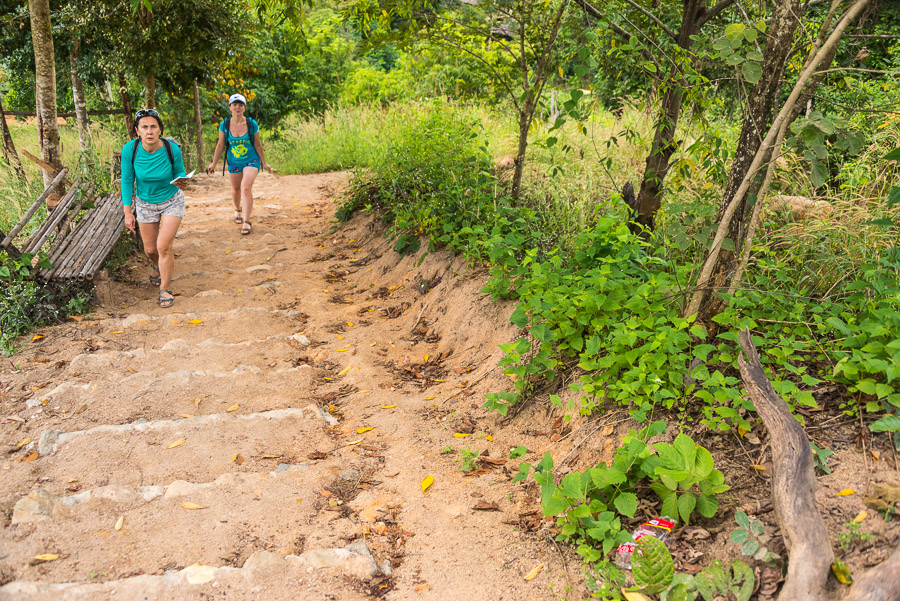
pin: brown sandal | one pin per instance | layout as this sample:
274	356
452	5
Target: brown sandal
237	218
246	228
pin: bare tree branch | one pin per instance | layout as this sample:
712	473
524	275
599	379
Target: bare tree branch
715	11
653	18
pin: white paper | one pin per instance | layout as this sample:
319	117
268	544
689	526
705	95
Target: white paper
185	178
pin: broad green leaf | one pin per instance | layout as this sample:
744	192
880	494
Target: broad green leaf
741	518
889	423
626	504
751	72
686	504
738	536
707	505
653	568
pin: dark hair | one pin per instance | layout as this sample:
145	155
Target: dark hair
147	113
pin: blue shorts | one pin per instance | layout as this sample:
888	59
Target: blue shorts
239	168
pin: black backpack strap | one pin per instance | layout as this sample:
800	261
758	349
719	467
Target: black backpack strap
134	151
168	146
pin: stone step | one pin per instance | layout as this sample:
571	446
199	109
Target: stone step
135	453
315	575
79	402
233	516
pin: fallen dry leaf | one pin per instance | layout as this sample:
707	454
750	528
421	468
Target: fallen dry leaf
326	493
317	455
197	402
428	398
120	522
862	515
269	456
485	506
353	442
118	332
195	321
30	457
177	443
364	430
460	435
190	505
758	468
238	459
422	588
46	557
341	350
345	370
846	492
427	482
22	443
633	595
388	406
234	407
533	573
36	338
81	409
489	438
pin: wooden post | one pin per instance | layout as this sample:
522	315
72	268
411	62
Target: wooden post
9	149
115	169
198	124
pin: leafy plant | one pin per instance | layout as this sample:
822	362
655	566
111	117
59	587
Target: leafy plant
517	452
718	581
820	457
853	536
752	537
652	566
469	459
685	465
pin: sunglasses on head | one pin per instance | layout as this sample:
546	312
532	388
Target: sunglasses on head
145	113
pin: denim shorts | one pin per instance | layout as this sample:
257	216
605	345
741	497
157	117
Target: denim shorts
239	167
150	212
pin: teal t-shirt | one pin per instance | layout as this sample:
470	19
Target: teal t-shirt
152	171
240	148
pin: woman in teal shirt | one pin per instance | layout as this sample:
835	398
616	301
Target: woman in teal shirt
245	157
149	164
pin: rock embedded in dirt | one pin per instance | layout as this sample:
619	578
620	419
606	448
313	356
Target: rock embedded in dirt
37	506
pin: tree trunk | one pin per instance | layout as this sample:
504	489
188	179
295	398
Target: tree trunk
198	125
150	92
524	126
9	148
81	116
758	116
650	195
45	84
126	105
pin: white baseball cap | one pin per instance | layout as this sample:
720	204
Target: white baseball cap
237	98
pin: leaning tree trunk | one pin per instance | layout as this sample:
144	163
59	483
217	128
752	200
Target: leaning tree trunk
794	485
150	92
758	116
84	135
45	85
198	125
9	148
664	146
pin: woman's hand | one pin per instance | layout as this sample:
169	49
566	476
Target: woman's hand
210	168
184	184
129	220
267	167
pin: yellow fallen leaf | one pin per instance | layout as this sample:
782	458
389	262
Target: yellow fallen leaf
227	252
846	492
533	573
177	443
30	458
428	398
234	458
350	324
197	402
120	522
341	350
633	595
36	338
331	408
489	438
300	499
364	391
350	444
44	402
190	505
196	321
393	287
364	430
460	435
117	332
340	337
388	406
345	370
841	572
862	515
240	289
426	358
22	443
758	468
46	557
427	482
234	407
327	378
373	344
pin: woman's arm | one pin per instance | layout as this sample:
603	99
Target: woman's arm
219	146
126	181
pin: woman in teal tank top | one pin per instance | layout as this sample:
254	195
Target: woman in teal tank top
245	158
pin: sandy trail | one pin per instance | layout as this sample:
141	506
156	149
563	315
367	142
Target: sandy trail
300	390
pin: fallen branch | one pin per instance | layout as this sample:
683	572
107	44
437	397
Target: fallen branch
793	496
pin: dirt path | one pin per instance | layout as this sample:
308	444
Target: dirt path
268	436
